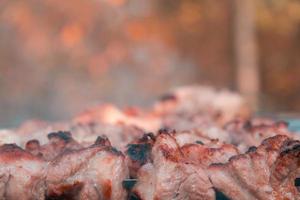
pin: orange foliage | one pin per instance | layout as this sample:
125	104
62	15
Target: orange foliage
57	57
71	35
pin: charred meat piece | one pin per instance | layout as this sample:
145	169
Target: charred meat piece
22	175
266	172
58	142
139	152
167	176
95	172
90	173
247	133
38	130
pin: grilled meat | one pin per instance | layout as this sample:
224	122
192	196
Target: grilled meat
196	155
223	105
168	176
119	135
91	173
204	155
62	169
247	133
170	171
266	172
110	114
22	175
58	142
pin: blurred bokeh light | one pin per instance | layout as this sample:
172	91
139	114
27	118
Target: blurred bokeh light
59	57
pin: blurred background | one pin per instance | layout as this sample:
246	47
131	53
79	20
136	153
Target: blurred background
59	57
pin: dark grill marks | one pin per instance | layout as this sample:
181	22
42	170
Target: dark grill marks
147	137
133	196
129	183
251	149
297	182
247	125
10	148
166	131
199	142
64	135
220	195
102	141
168	97
139	152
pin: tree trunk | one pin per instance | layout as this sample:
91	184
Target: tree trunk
247	69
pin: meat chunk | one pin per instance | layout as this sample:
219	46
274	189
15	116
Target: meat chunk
119	135
38	130
199	125
222	105
90	173
62	170
167	176
247	133
22	175
110	114
266	172
58	142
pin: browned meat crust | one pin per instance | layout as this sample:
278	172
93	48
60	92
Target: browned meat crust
22	175
62	169
174	172
168	176
266	172
247	133
96	172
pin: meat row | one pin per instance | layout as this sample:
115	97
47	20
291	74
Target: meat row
194	143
